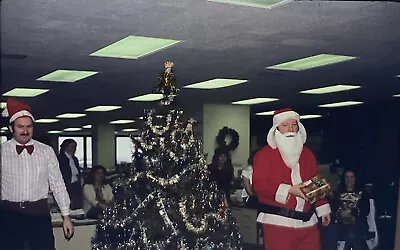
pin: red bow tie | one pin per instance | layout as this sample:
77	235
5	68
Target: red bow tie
29	148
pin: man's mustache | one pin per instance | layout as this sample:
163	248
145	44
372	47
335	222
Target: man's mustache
290	134
24	134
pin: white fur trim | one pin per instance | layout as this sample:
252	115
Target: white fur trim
20	114
296	179
323	210
278	220
279	118
271	135
282	194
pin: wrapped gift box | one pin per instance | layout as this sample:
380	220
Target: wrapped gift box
316	189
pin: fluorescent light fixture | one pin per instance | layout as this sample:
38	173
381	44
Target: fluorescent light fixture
25	92
215	84
54	132
398	95
3	129
312	62
255	101
46	120
266	113
130	129
134	47
122	121
146	98
398	76
3	105
140	117
265	4
303	117
87	126
72	129
103	108
330	89
63	75
340	104
70	115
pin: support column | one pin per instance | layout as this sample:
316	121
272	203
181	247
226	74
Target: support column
237	117
103	145
397	237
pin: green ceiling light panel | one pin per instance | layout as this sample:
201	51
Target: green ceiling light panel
62	75
70	115
303	117
146	98
215	84
46	120
266	113
135	47
25	92
54	132
103	108
330	89
265	4
312	62
255	101
122	121
130	130
340	104
72	129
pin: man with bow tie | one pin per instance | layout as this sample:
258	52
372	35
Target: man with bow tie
28	169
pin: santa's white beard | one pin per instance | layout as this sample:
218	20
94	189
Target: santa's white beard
290	146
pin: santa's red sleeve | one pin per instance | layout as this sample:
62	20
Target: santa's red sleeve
265	183
322	206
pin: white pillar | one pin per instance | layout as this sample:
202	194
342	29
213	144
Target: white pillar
237	117
103	145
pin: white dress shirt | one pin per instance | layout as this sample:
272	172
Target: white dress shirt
26	177
89	196
247	173
74	169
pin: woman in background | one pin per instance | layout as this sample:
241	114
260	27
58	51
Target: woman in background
221	171
97	195
352	208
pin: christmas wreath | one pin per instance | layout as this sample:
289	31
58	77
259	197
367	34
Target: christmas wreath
233	144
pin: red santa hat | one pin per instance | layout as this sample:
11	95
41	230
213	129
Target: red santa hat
16	109
279	117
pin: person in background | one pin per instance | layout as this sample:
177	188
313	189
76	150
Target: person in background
221	171
248	195
280	169
97	195
351	206
28	170
71	172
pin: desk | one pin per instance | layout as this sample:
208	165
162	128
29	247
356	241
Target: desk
84	232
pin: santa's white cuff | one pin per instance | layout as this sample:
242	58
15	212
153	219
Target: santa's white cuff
323	210
282	194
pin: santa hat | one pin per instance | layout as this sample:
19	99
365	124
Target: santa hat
16	109
279	117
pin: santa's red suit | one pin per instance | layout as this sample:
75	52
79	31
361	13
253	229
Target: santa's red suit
272	178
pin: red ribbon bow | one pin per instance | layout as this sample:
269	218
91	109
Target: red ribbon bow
29	148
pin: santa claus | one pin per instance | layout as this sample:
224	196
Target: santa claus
280	169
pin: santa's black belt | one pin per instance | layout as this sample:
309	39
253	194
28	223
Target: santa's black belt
270	209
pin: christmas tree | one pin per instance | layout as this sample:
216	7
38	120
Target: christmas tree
165	198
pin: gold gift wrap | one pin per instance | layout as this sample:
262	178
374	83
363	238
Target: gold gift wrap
317	189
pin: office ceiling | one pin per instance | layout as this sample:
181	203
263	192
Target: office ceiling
219	41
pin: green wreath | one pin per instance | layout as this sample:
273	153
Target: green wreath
222	135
